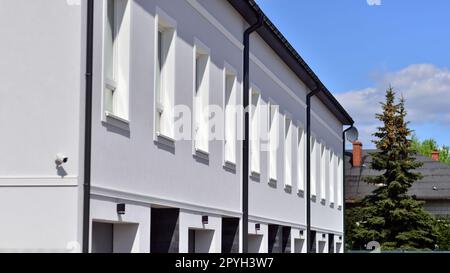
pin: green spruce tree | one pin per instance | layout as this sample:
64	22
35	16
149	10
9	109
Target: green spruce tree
389	215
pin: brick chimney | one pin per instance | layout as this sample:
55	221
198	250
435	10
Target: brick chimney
357	154
435	155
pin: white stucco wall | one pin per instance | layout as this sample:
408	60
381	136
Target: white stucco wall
41	63
128	161
278	83
38	219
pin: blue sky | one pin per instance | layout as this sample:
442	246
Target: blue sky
359	49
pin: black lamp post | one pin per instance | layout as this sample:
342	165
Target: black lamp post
351	134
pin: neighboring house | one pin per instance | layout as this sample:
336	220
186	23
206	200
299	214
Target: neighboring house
123	181
433	188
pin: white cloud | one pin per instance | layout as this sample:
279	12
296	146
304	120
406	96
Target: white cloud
425	87
374	2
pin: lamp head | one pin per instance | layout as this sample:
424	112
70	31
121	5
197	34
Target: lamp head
352	134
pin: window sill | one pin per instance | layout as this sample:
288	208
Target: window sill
201	154
165	140
288	188
230	165
117	121
255	175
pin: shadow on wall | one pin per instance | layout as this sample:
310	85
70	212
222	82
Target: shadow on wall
61	172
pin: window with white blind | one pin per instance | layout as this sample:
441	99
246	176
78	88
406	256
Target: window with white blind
165	76
323	170
116	59
201	99
255	131
273	141
301	162
288	132
230	85
332	177
328	169
340	182
315	159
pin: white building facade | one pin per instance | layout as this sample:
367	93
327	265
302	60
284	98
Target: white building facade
164	171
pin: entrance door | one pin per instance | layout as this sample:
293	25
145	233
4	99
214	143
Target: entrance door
254	243
230	235
200	241
102	237
114	238
298	245
330	243
191	246
322	245
338	247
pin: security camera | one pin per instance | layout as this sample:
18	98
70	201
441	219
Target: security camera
61	159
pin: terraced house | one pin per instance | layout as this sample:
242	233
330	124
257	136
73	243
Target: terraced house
109	143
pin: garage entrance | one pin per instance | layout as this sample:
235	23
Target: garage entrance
164	230
230	235
330	243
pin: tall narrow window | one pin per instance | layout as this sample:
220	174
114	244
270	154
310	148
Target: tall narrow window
336	178
332	179
288	151
301	154
315	151
273	141
165	78
340	182
116	59
201	101
230	118
323	171
255	151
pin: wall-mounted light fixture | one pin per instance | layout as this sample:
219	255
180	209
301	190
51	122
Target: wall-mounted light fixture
205	220
324	235
121	209
301	232
257	227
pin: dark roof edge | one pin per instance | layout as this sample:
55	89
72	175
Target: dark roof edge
250	11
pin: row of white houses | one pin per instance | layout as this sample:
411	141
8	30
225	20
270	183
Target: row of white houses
136	138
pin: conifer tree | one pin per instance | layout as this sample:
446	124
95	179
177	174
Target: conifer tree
389	215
